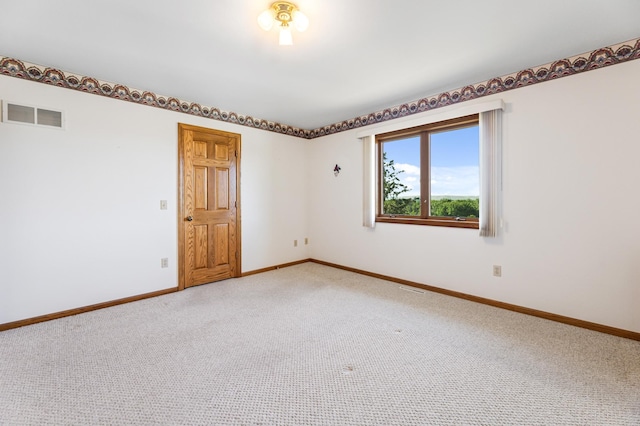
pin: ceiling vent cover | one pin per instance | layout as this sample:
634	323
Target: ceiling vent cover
31	115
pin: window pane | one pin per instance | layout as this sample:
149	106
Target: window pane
401	177
455	173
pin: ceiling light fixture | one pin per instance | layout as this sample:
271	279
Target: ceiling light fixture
285	14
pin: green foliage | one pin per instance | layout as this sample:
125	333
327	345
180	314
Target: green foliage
403	206
447	207
393	188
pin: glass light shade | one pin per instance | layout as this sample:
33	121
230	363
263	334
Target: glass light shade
266	19
285	36
300	21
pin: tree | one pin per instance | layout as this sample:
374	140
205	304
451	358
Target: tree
393	188
447	207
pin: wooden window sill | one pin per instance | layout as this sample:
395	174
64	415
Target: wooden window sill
452	223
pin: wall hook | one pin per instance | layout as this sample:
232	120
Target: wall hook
336	170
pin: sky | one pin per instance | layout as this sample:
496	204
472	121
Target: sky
454	162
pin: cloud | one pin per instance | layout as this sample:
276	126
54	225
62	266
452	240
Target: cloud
457	181
410	176
408	169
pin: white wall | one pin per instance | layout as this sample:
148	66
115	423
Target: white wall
80	218
80	221
571	243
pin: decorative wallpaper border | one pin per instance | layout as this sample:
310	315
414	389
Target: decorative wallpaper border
599	58
28	71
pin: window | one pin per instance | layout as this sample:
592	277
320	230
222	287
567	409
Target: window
429	175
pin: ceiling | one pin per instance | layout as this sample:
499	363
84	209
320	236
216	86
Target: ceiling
357	57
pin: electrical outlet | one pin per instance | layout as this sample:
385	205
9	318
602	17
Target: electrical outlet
295	243
164	262
497	270
163	204
306	241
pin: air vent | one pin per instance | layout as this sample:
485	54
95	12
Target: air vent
31	115
21	114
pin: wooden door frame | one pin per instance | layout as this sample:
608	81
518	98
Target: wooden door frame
182	127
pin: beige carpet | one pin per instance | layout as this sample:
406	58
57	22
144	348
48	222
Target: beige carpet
313	345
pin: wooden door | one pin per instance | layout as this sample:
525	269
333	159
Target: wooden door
209	205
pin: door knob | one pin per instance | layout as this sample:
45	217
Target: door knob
189	218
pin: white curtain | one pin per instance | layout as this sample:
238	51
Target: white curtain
490	171
369	179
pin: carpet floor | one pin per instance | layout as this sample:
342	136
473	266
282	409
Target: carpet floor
314	345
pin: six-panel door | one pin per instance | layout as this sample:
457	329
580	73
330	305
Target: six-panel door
209	204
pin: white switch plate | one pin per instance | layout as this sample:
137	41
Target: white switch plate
163	204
